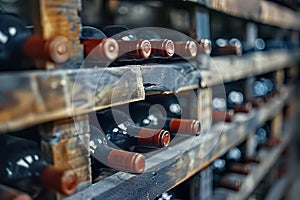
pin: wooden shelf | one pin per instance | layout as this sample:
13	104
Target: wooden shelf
171	166
268	158
261	11
230	68
34	97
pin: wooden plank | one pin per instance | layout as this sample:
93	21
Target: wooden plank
31	98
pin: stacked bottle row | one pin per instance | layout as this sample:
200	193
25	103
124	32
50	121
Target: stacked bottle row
114	45
117	141
121	45
228	171
243	95
21	49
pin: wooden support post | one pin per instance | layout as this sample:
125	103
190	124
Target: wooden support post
52	18
65	144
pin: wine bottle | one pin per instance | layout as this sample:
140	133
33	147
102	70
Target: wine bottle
103	152
185	49
13	34
8	193
131	48
245	157
97	46
234	160
238	95
24	168
236	101
162	48
18	45
204	46
146	115
225	47
219	176
122	131
264	87
223	115
54	50
264	138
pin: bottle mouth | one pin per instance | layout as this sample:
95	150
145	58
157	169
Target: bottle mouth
111	48
58	49
205	46
138	163
192	49
69	182
165	138
146	49
196	127
60	180
169	48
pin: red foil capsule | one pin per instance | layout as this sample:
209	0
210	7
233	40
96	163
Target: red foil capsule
186	49
106	49
230	184
126	161
184	126
244	108
162	48
53	50
137	49
63	181
220	115
153	137
240	168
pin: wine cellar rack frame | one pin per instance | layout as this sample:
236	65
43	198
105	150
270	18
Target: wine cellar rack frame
41	96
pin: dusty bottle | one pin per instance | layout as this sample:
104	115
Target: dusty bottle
122	131
103	152
146	115
24	168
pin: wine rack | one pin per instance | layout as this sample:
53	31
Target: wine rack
60	98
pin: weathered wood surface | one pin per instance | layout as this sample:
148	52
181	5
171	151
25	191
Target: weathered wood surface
31	98
65	144
59	18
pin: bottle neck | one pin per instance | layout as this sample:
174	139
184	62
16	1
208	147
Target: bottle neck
62	181
184	126
226	115
131	135
115	158
135	49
